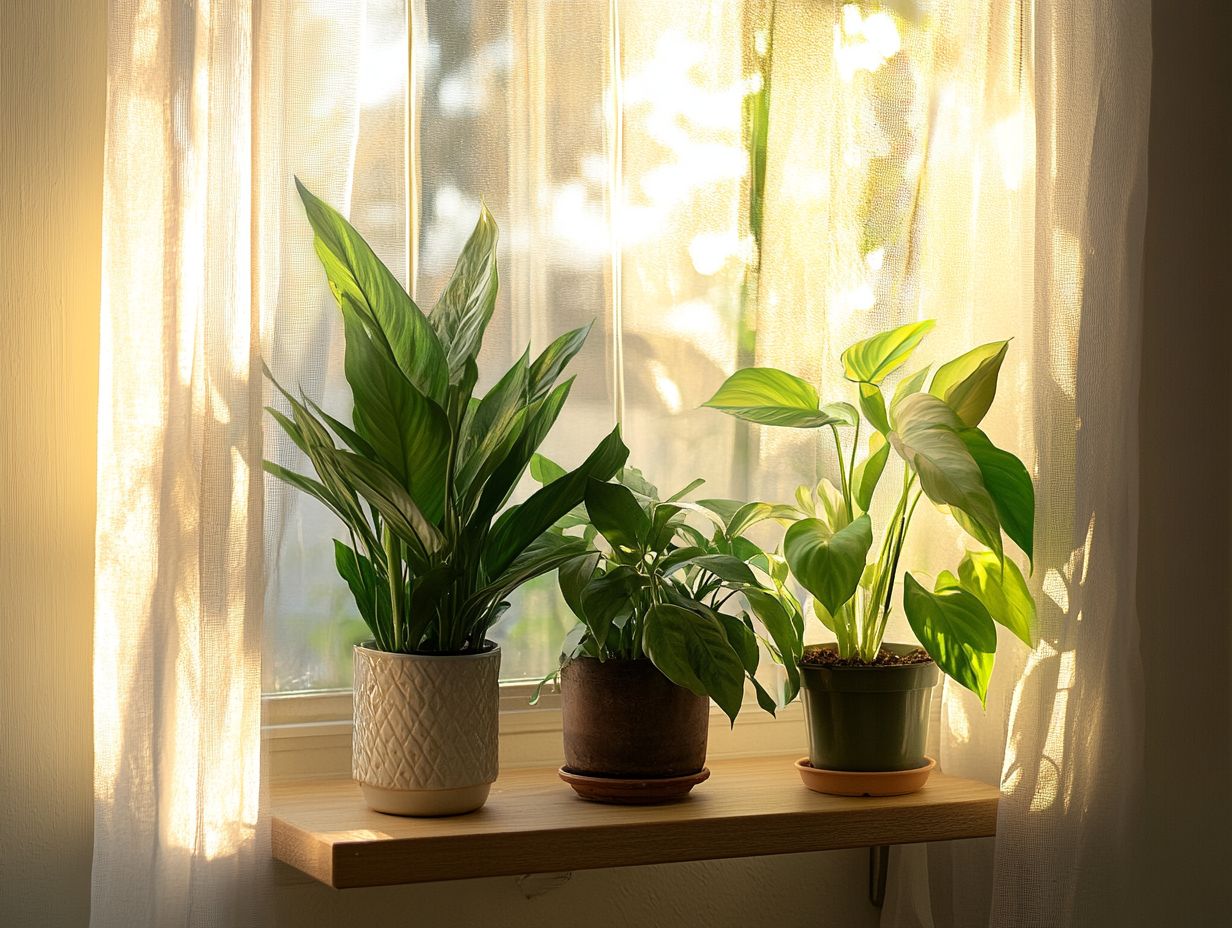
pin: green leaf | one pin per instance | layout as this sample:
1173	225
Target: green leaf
872	403
686	490
306	485
493	426
408	431
633	479
520	525
871	360
369	589
827	564
770	397
999	585
723	510
540	417
692	651
913	383
868	472
465	306
750	514
833	508
664	520
1010	487
969	382
841	414
354	270
554	359
956	631
926	438
775	618
616	513
727	568
544	469
395	505
741	637
573	579
608	597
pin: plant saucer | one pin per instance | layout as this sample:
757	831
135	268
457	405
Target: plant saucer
647	791
864	783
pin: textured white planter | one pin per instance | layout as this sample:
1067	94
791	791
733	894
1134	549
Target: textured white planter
426	730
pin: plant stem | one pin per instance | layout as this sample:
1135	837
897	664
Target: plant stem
851	466
393	570
842	474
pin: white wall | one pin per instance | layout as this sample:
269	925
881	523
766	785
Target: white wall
826	890
52	83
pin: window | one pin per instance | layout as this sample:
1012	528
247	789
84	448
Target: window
622	149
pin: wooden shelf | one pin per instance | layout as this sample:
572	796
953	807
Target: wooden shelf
533	823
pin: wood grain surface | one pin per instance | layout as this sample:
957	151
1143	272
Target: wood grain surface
533	823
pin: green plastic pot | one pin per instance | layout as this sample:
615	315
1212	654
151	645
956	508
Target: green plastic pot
868	718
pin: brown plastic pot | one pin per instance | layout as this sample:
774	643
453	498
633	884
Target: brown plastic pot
624	719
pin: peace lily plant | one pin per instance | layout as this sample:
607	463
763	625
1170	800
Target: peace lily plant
932	427
421	476
420	480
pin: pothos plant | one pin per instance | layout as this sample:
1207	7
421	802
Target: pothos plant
422	476
654	586
932	426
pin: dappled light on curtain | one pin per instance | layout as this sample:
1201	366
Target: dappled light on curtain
178	839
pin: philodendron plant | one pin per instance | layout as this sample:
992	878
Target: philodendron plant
932	426
654	586
421	476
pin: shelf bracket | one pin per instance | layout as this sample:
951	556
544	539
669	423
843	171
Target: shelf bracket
878	870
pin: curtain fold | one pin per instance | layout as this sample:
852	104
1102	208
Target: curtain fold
179	838
1072	781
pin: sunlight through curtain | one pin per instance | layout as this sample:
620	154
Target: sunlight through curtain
179	839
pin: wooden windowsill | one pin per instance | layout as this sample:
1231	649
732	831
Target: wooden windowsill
533	823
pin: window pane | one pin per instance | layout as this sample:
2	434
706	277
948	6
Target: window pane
633	195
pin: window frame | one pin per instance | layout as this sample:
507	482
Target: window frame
308	734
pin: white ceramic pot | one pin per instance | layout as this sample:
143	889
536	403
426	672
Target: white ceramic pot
426	730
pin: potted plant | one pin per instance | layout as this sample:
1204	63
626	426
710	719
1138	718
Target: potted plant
867	701
419	480
653	645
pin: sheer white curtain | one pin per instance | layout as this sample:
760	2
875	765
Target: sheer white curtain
1062	735
212	109
178	836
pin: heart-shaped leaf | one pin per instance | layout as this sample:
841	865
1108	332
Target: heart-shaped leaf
1010	487
969	382
770	397
956	631
999	585
827	564
871	360
926	438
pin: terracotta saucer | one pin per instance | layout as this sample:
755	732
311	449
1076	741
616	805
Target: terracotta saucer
646	792
858	783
